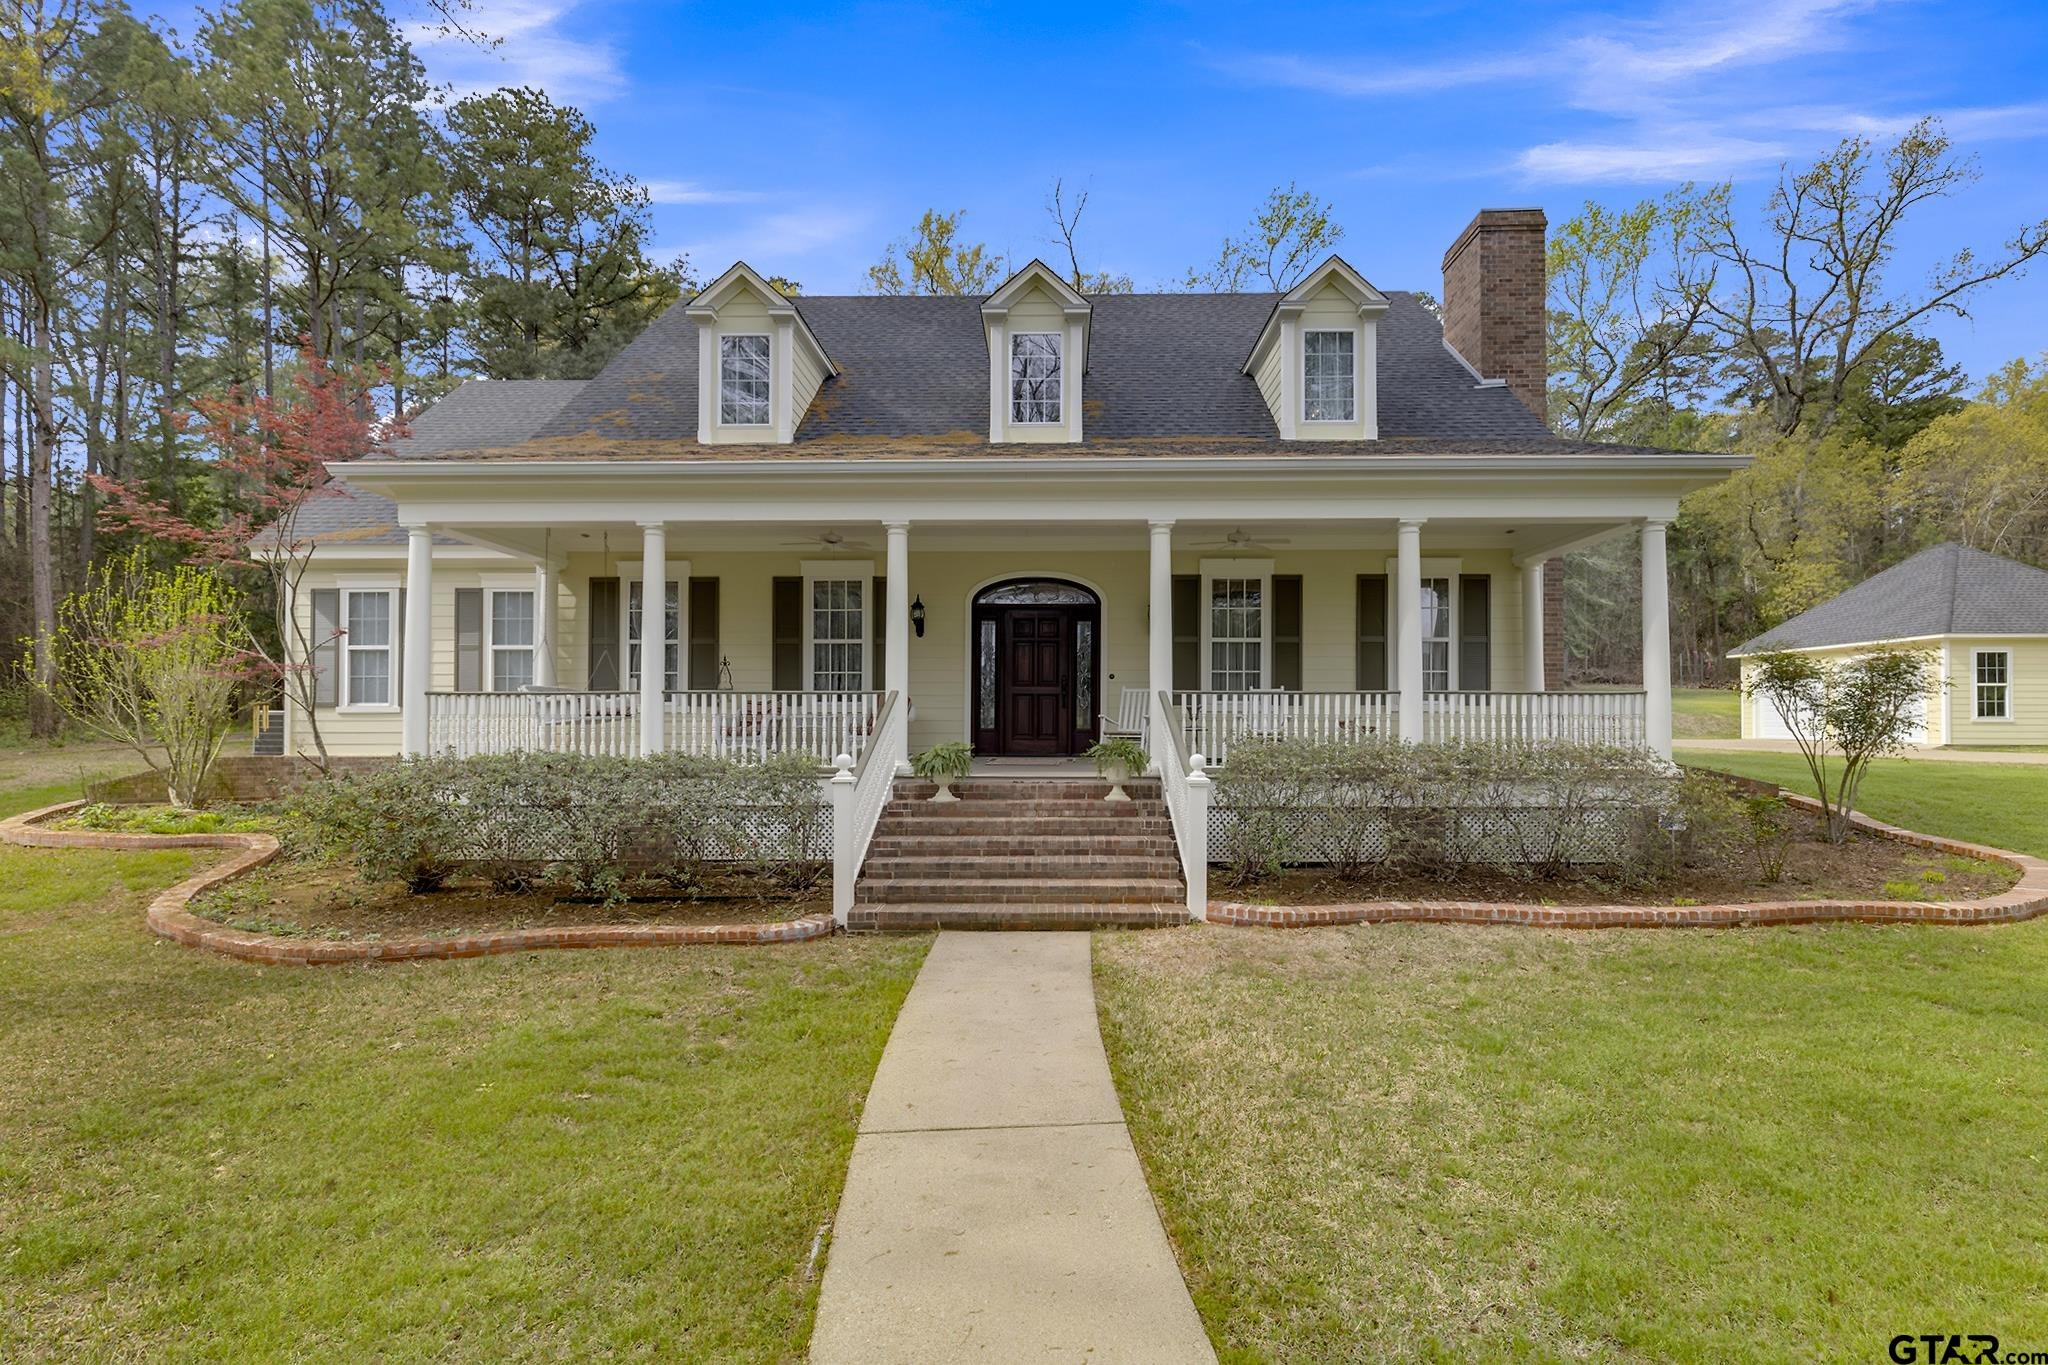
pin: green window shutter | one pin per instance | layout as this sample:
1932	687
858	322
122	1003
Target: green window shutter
326	647
469	639
787	633
1475	632
878	606
1372	632
704	634
604	635
1287	631
1187	632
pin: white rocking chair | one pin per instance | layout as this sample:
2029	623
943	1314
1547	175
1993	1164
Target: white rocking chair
1132	716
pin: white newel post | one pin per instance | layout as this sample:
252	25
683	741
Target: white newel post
545	593
896	662
1408	628
417	663
1532	626
1159	638
1196	865
845	858
653	631
1656	640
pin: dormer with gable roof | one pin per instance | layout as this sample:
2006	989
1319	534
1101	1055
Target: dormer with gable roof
1037	328
758	363
1317	359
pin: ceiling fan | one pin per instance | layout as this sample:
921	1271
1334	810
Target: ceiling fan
1239	541
831	542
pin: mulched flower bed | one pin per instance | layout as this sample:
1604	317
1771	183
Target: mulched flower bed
304	899
1867	867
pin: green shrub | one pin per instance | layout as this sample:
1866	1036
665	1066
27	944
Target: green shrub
1120	751
951	759
1526	808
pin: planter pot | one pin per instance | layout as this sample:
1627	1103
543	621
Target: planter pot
1116	775
945	791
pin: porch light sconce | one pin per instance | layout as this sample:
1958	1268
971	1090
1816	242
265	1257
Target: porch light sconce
917	617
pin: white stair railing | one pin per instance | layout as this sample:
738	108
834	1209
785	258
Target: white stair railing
1184	780
858	793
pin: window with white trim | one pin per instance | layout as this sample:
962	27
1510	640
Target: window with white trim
672	633
839	634
743	380
1237	634
1993	670
511	626
1436	634
1329	391
1035	377
370	642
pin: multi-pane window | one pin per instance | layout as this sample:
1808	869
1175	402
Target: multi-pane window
1328	386
369	644
743	380
1035	377
1994	684
1436	634
1237	634
511	640
671	634
838	635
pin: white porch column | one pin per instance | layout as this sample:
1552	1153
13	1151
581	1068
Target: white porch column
1656	640
416	664
1532	626
653	631
1159	654
896	660
1408	628
545	594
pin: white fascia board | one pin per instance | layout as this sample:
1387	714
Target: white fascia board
1943	639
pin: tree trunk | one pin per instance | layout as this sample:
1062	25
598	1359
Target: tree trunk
42	564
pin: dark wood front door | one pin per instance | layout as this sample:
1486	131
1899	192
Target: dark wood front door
1035	671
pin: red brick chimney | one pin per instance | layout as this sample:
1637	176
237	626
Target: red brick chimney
1494	300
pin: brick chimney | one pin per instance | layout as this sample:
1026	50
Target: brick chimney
1494	300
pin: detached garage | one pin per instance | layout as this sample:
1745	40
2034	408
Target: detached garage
1984	618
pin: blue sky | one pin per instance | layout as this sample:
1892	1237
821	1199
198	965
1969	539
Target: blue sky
804	137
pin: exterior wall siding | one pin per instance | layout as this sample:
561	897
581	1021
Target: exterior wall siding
2027	700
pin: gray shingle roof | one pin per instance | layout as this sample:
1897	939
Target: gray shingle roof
477	412
1159	365
1949	589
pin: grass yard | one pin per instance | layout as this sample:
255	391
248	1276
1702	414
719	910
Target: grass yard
560	1155
2002	804
1443	1142
1706	712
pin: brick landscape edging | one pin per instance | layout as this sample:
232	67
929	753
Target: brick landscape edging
169	917
2024	900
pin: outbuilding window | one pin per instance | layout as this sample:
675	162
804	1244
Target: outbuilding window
1993	668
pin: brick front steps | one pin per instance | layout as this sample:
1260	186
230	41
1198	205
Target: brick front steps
1021	853
168	916
2026	899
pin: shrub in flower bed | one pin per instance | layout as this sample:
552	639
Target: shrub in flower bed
109	818
590	825
1537	809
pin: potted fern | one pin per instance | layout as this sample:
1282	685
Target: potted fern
944	764
1119	760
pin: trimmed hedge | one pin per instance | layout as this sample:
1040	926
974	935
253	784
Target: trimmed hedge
1540	809
588	824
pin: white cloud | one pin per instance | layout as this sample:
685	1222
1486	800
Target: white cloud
1654	159
787	241
690	192
518	42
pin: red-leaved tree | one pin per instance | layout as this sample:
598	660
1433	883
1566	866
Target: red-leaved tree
270	460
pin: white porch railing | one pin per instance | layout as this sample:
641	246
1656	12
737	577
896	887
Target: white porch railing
1572	717
1186	786
757	724
600	724
1212	720
858	793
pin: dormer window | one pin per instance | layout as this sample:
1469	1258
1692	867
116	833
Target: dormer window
1329	391
1035	378
743	381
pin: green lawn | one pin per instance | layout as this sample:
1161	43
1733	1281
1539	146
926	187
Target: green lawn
2002	804
1706	712
550	1156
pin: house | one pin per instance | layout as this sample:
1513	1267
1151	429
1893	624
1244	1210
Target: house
879	523
1983	618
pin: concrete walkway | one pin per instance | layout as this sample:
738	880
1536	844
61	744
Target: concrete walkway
1786	746
994	1208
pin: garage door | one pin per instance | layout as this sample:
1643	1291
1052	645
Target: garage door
1770	724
